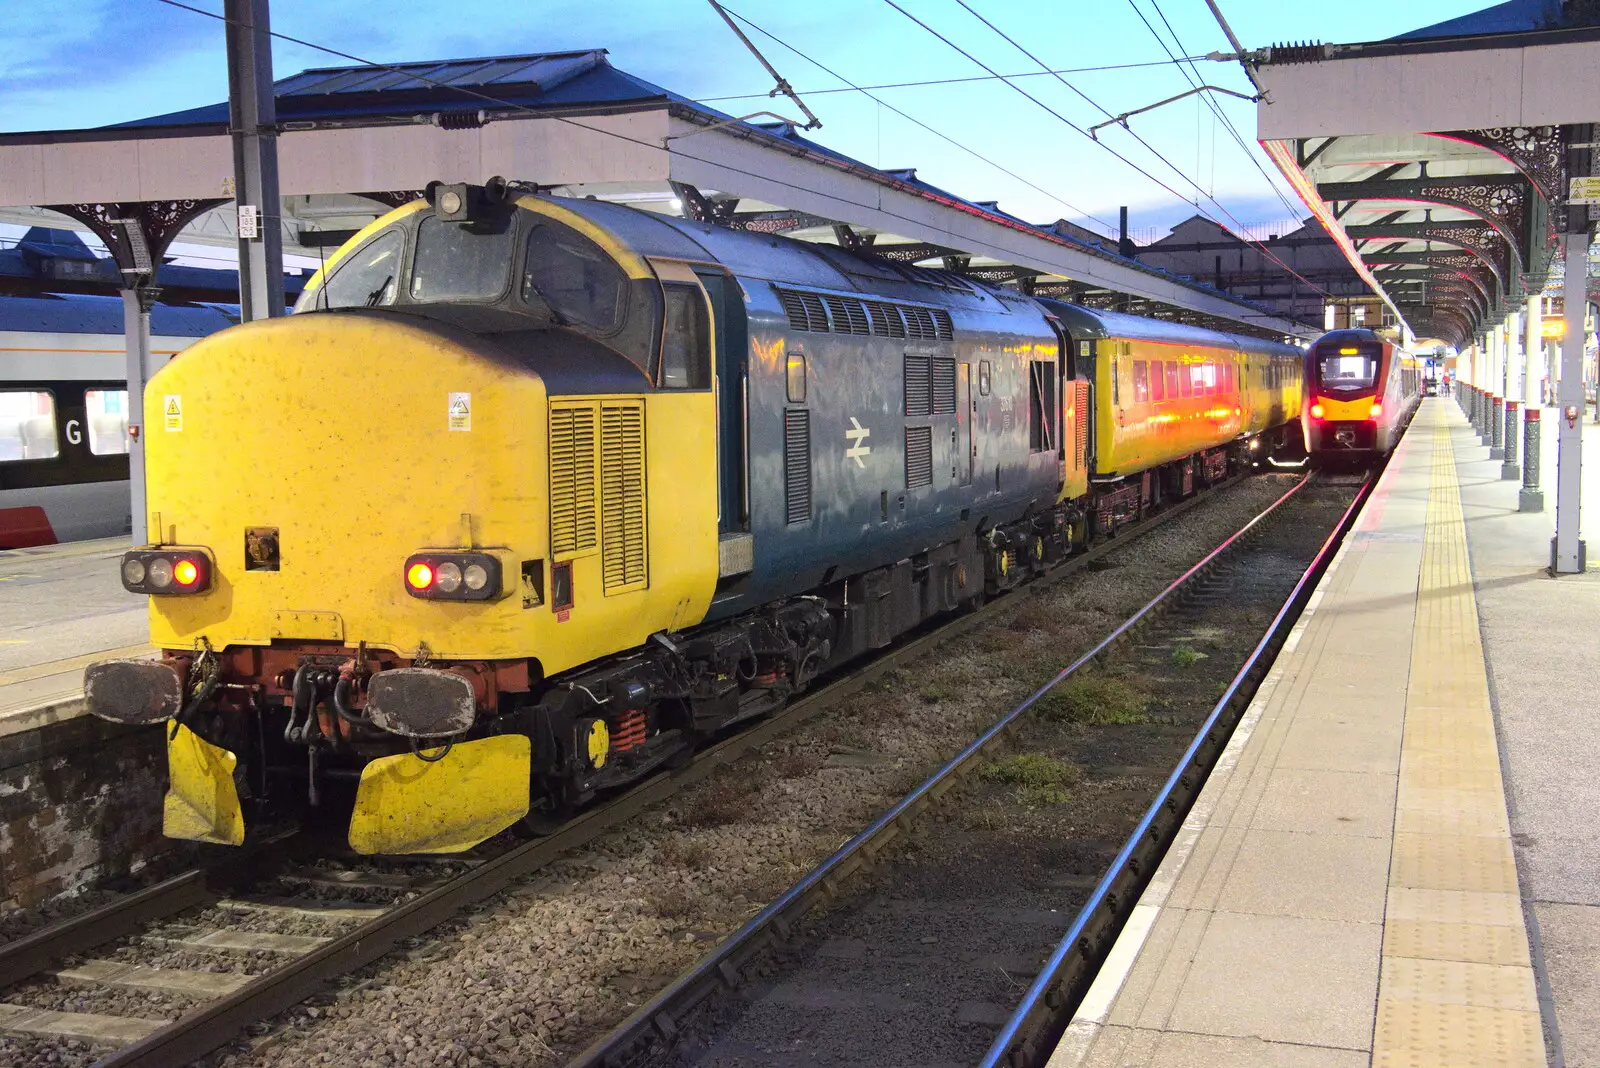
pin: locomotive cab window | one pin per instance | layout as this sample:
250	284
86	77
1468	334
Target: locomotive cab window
685	341
107	411
570	275
984	374
367	278
1348	370
457	261
27	426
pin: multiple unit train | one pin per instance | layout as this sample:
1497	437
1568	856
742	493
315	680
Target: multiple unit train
532	496
1361	392
64	412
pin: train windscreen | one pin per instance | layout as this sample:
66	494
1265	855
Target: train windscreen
1348	368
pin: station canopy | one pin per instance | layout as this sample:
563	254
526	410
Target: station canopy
1439	160
354	141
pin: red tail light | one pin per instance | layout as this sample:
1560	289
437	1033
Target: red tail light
166	571
419	576
186	573
454	576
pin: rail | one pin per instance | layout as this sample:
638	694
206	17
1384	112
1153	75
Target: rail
657	1020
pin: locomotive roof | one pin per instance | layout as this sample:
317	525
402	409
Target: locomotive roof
779	259
1087	323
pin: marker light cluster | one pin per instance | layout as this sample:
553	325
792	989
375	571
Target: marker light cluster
166	571
453	576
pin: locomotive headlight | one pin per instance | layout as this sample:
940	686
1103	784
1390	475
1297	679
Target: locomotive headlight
1377	410
454	576
166	571
447	577
1316	411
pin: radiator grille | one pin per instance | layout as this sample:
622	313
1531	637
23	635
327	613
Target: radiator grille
823	313
849	316
623	555
572	480
944	386
1081	403
919	456
886	319
918	386
797	464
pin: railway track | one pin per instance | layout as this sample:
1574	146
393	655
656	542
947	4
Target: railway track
265	930
915	942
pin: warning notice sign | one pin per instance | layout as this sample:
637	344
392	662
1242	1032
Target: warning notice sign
172	411
460	411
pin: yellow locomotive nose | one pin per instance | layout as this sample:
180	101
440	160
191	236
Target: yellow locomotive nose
316	454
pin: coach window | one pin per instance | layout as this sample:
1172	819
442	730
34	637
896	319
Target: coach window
796	373
107	411
685	343
1158	383
27	426
367	278
1174	372
1141	382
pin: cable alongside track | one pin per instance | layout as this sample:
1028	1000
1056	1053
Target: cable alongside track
351	934
926	950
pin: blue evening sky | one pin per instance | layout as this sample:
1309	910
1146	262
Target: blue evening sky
80	63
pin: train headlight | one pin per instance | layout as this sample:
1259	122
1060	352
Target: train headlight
453	576
166	571
1377	410
1316	411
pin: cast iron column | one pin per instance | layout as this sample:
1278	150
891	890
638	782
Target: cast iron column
1531	499
1510	469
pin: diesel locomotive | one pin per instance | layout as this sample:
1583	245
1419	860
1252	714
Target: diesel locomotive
531	496
1361	394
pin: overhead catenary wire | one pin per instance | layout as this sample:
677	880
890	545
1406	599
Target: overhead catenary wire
1196	79
1238	226
852	87
533	113
966	80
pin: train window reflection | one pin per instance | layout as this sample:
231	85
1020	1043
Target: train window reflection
581	284
685	354
1348	372
107	412
456	262
27	426
367	278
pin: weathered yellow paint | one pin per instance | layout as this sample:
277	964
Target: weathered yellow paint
1133	435
599	743
357	468
472	792
202	802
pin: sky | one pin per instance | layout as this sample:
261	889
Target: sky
72	64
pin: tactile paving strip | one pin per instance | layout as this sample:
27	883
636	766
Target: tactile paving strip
1456	987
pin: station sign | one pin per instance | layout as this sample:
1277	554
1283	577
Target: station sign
1584	190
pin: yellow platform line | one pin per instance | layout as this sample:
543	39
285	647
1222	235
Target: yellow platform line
1456	986
71	663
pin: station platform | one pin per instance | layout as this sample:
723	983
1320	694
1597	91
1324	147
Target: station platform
61	607
1393	862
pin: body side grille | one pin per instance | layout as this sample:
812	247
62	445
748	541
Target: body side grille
572	480
797	464
919	456
623	553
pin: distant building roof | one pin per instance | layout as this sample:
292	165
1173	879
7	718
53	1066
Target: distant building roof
1514	16
536	81
80	314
